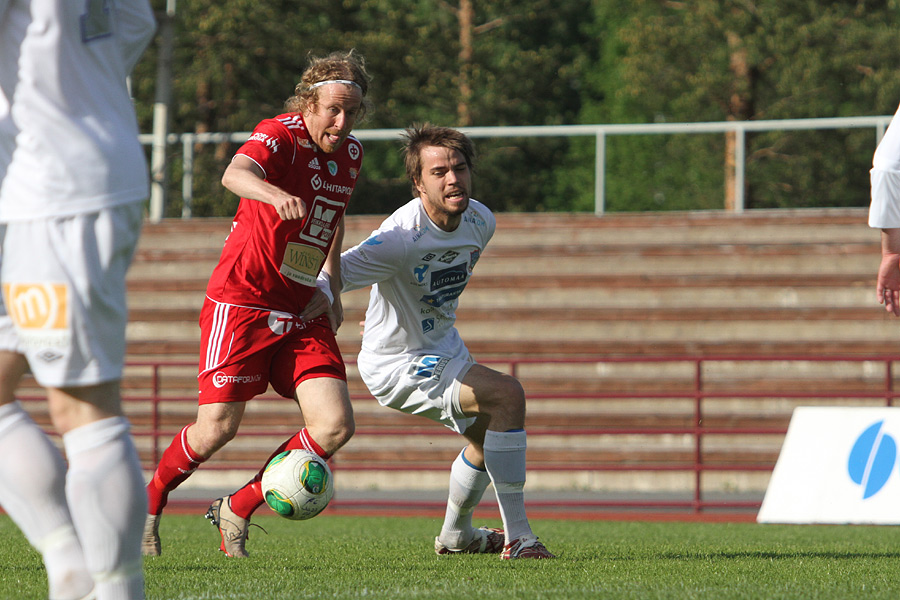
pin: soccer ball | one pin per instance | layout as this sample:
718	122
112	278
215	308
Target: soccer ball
297	484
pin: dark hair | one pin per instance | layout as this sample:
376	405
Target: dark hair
418	137
348	66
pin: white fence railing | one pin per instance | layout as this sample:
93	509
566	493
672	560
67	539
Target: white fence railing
599	132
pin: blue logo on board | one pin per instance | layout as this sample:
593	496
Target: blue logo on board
872	459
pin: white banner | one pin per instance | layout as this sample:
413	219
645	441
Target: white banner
837	465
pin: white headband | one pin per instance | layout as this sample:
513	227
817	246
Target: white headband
345	81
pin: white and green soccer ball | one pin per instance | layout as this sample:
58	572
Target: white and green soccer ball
297	484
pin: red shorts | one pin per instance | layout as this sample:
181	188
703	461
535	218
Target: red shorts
243	350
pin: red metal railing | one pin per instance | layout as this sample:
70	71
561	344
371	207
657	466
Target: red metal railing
701	380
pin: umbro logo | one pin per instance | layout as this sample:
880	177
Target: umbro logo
314	164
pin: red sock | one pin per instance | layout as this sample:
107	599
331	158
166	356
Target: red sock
178	462
250	497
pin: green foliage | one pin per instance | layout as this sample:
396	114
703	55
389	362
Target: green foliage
391	558
709	60
543	62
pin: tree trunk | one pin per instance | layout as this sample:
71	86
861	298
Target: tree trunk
740	108
465	14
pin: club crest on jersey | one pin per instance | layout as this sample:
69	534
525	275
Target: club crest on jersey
332	167
473	258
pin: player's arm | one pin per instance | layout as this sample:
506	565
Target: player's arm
888	286
331	270
246	178
376	259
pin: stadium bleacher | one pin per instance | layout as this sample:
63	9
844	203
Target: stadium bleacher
559	293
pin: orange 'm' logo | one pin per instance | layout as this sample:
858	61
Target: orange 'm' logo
37	305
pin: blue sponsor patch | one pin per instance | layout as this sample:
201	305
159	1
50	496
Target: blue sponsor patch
429	366
447	277
443	296
427	325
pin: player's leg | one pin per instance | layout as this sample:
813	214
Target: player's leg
216	425
38	504
501	399
328	415
246	500
468	482
429	386
231	514
104	485
234	358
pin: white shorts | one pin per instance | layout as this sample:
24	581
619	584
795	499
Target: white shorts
425	385
63	282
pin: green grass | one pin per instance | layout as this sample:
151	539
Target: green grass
391	558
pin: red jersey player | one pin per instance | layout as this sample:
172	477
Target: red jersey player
294	176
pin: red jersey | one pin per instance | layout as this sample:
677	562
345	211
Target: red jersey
270	263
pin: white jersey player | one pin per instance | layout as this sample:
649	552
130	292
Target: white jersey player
413	359
417	272
884	213
72	180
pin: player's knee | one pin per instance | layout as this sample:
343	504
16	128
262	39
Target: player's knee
344	431
515	395
507	397
334	433
207	440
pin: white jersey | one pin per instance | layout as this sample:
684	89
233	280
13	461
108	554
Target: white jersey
417	272
884	211
68	132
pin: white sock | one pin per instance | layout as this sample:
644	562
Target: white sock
467	485
504	459
37	504
105	488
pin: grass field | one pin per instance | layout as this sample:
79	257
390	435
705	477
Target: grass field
392	558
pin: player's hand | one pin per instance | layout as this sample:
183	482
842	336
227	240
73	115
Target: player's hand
887	289
317	306
289	207
336	313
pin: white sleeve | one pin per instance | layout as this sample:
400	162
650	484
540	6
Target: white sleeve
137	25
884	210
376	259
323	282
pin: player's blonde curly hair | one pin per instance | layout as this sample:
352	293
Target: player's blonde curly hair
346	66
